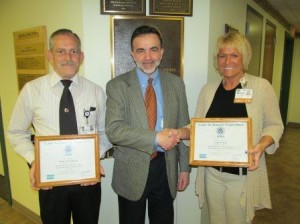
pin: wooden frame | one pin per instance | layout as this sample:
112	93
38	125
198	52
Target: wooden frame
31	50
177	8
66	160
124	7
171	29
31	54
229	28
213	138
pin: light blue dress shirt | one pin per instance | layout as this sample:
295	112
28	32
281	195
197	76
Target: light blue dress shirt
143	80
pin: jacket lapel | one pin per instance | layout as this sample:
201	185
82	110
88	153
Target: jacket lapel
167	92
136	99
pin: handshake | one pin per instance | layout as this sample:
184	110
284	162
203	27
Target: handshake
169	138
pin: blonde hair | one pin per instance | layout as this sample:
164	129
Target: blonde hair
239	42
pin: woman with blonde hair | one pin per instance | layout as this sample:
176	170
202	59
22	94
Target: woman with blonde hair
230	195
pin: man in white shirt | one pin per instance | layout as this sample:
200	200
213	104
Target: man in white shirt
38	106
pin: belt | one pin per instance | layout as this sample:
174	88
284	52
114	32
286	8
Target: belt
232	170
156	155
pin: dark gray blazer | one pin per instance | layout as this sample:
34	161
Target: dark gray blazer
126	126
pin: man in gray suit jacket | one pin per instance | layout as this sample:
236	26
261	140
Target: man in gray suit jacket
147	162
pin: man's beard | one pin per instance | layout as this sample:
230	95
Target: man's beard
148	71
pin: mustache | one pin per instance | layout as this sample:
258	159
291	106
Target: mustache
66	63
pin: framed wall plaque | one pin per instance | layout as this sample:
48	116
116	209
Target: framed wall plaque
31	54
221	142
31	50
171	29
170	7
229	28
120	7
66	160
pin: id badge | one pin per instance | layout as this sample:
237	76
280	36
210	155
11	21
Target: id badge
243	96
88	129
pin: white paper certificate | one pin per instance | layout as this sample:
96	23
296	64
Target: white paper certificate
220	141
67	160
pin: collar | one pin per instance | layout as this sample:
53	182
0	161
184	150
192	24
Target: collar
143	77
55	79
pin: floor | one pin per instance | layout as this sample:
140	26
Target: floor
284	175
284	180
9	215
3	188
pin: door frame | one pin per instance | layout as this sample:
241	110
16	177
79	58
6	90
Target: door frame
286	76
269	51
4	158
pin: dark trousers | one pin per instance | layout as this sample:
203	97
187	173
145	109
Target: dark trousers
83	203
157	193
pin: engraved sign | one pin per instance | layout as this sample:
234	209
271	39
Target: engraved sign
31	51
171	7
119	7
171	29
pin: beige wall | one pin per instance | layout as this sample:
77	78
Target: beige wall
83	16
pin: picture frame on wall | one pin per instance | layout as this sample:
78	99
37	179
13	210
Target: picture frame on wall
177	8
124	7
229	28
171	29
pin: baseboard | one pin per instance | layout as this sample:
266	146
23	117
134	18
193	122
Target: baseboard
28	213
293	125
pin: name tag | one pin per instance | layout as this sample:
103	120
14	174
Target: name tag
243	96
87	129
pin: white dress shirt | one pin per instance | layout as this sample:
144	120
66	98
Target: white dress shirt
38	106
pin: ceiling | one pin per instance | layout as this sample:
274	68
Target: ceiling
289	10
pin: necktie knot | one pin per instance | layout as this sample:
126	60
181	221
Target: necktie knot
66	83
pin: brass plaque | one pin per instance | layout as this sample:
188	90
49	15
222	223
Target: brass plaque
171	29
171	7
31	51
119	7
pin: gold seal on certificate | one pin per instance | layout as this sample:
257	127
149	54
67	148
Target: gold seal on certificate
221	142
66	160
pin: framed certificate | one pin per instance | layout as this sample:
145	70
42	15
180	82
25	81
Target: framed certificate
221	142
66	160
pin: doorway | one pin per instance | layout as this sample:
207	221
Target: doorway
286	76
5	192
254	28
270	38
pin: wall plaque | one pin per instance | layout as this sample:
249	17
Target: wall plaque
171	29
171	7
119	7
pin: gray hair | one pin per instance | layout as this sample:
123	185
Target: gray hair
63	32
